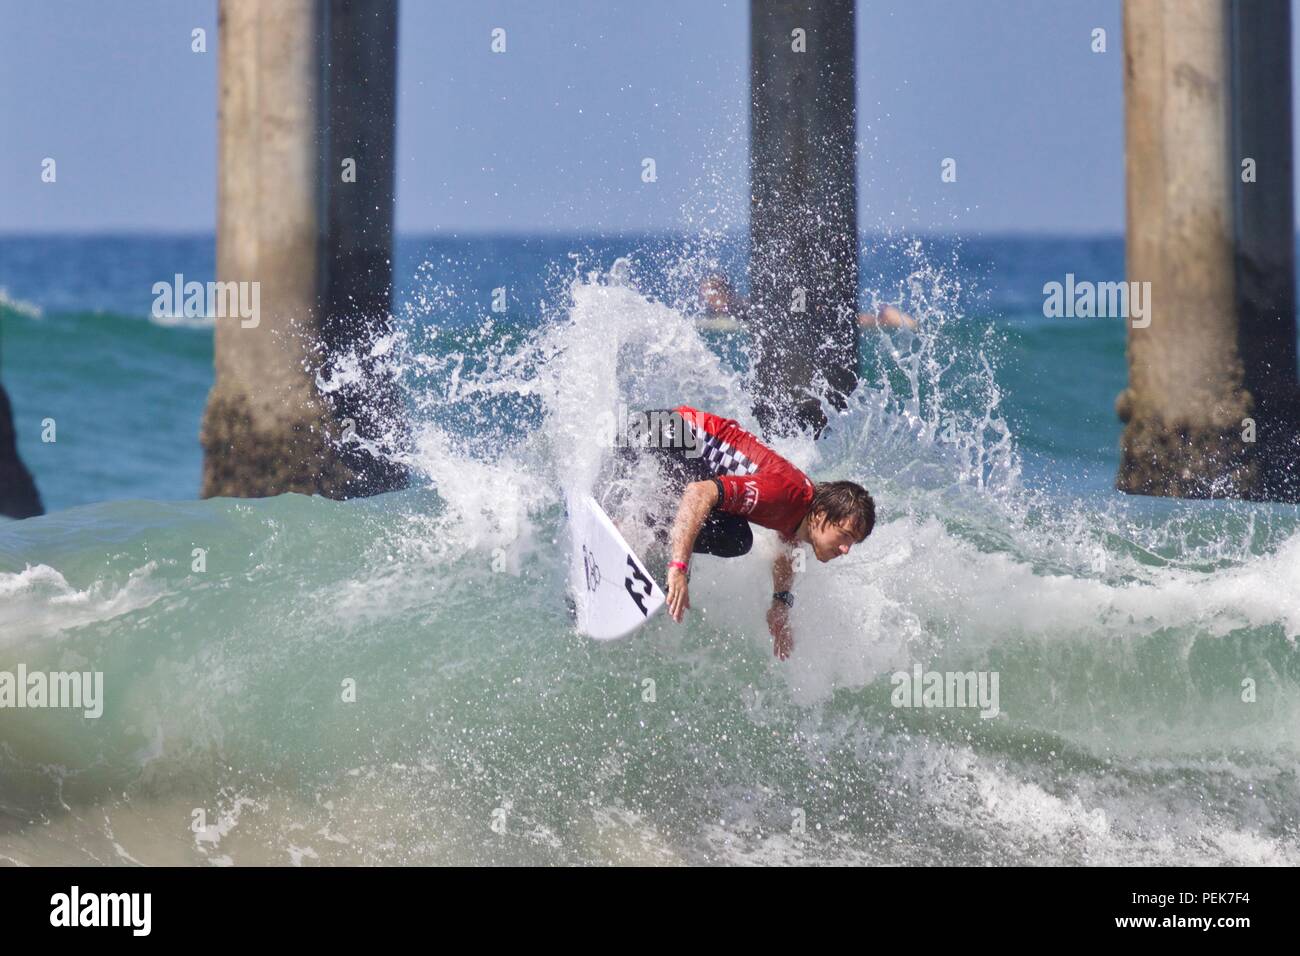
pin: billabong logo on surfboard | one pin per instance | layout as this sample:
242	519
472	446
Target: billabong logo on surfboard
638	596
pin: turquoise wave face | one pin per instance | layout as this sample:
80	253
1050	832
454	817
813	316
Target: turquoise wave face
343	683
396	679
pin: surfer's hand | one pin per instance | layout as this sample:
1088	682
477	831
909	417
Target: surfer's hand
679	598
778	622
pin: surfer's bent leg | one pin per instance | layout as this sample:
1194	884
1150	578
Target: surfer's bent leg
724	535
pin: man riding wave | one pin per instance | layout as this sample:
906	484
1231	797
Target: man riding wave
727	479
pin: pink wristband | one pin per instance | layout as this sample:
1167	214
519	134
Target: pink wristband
678	564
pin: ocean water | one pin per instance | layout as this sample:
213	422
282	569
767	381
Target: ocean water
484	730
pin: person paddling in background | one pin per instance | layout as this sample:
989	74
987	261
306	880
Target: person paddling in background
725	479
720	300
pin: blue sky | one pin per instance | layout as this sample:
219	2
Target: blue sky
549	136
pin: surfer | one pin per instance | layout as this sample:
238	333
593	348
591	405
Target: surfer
721	302
728	479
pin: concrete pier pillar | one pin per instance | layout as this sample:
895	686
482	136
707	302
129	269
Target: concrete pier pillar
803	270
304	86
1207	88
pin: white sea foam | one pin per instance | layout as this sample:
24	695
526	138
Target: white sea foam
28	309
40	602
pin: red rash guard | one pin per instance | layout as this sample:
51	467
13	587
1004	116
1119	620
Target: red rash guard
757	483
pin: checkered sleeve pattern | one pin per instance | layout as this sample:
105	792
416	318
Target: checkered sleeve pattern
723	459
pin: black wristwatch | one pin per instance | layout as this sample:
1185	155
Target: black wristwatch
785	597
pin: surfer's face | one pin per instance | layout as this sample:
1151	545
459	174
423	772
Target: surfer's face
831	540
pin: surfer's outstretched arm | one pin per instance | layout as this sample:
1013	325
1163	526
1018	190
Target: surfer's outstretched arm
698	500
778	615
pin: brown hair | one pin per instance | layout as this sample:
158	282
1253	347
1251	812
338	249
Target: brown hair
837	501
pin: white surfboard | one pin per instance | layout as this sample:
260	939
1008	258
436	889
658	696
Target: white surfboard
717	323
612	591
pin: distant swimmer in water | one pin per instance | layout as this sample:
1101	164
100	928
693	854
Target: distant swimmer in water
724	309
725	480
